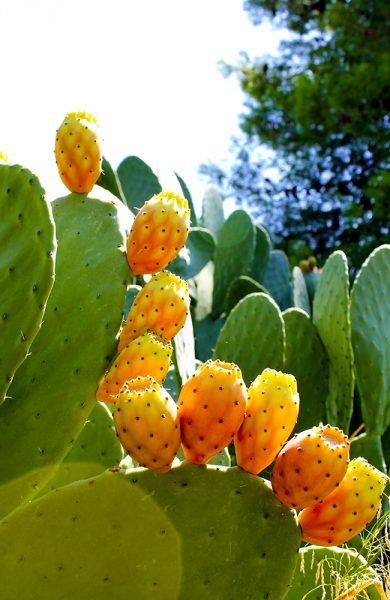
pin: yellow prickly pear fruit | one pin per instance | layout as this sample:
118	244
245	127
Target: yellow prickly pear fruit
161	306
212	406
148	354
310	466
147	423
272	412
347	510
304	265
159	231
78	151
3	158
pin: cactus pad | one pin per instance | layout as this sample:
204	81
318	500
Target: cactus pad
253	336
159	535
331	315
277	278
370	309
307	360
233	254
55	392
27	254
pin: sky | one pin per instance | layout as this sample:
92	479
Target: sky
147	69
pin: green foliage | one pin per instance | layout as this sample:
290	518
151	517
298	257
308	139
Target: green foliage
320	109
323	573
27	257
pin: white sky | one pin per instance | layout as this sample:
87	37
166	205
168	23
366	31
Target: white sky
147	69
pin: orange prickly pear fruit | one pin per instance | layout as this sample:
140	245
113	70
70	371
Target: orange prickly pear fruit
161	306
78	151
212	406
310	466
347	510
272	412
148	354
159	231
147	423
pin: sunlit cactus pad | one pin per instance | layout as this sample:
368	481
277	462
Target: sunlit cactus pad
195	532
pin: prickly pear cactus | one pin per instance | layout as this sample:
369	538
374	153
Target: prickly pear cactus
233	255
55	388
138	182
370	311
239	288
27	256
331	316
263	248
277	278
213	216
159	535
309	364
96	449
253	336
300	294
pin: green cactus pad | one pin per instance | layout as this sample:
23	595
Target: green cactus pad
55	388
300	294
195	532
187	195
324	573
96	449
230	525
311	279
262	250
306	359
109	180
370	310
239	288
138	182
233	255
277	279
213	216
331	315
102	538
27	255
253	336
195	255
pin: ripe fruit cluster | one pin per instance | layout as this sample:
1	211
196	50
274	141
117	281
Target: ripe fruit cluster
312	473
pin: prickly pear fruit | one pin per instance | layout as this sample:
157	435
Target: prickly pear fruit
272	412
3	158
212	406
347	510
161	306
148	354
147	423
78	151
310	466
159	231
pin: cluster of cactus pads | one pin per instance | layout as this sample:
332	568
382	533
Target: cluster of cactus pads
91	320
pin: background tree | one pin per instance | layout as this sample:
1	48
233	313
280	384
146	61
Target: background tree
313	162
